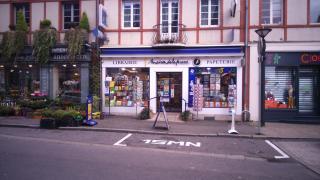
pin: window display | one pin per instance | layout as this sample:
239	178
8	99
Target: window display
126	87
219	86
69	82
279	91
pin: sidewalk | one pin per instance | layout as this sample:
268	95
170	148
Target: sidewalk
189	128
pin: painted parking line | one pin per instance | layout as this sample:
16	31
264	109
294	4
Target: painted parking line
121	140
283	155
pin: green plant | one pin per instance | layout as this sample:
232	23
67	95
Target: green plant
14	40
144	114
45	24
185	115
7	111
34	104
75	38
44	40
84	22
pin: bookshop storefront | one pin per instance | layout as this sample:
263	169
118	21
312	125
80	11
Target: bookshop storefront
292	86
132	83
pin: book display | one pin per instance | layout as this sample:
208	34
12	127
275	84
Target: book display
197	97
126	90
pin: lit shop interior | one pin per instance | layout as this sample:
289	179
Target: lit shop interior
126	87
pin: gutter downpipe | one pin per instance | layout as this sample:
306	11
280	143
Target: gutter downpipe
245	89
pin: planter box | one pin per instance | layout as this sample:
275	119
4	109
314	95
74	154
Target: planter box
48	123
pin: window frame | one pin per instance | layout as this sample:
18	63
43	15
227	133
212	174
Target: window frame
271	16
310	14
131	3
72	16
209	14
23	7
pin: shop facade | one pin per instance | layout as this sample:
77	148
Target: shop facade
26	78
291	86
133	77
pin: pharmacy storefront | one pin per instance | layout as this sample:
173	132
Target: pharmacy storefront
204	80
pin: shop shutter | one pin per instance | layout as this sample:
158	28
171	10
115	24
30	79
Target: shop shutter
305	94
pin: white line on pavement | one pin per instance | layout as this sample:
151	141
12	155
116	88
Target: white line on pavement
283	155
121	140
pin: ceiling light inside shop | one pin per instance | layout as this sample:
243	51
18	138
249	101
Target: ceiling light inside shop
12	70
133	69
27	72
1	66
20	71
208	69
30	65
76	74
123	69
74	65
64	65
15	66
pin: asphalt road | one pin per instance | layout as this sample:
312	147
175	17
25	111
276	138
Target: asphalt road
55	154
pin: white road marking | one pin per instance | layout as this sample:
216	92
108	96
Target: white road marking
283	155
121	140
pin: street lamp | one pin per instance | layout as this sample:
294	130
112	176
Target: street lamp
262	52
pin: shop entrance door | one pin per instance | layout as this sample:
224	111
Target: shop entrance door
169	87
309	91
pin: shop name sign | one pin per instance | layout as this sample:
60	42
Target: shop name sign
221	61
133	62
172	61
309	58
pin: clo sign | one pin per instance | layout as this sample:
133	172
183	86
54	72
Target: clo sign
310	58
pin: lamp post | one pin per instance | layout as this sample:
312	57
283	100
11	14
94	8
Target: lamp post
262	52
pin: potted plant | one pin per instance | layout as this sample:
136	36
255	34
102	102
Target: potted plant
185	116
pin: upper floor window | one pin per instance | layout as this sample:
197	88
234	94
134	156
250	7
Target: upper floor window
131	14
25	8
209	12
71	15
314	11
272	11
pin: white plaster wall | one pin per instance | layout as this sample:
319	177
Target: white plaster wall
130	38
297	12
52	13
37	15
149	13
112	10
254	13
304	34
209	36
148	38
90	8
227	19
189	13
231	35
254	67
191	37
113	38
4	17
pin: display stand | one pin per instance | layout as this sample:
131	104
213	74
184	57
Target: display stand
89	121
197	97
164	115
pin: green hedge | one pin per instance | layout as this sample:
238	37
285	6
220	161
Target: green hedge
60	118
34	104
7	111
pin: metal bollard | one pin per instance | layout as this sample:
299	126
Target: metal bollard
233	130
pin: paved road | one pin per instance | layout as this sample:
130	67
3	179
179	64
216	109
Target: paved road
56	154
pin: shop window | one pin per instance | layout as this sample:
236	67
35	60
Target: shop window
218	87
279	87
272	11
131	14
314	11
127	87
209	12
71	15
25	8
69	82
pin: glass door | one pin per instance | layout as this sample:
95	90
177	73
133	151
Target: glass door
169	87
169	20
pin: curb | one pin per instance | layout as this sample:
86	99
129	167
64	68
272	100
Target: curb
246	136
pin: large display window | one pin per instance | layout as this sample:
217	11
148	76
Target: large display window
279	87
69	82
126	87
215	87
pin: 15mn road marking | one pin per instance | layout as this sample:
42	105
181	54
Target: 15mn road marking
283	155
121	140
168	143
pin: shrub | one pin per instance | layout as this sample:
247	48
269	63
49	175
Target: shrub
34	104
144	114
7	111
185	115
45	24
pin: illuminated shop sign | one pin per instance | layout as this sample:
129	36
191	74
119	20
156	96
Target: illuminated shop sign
309	58
292	58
